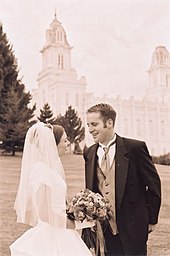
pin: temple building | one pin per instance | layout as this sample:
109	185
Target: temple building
59	85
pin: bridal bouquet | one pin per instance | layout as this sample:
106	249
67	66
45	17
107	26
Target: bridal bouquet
89	210
89	206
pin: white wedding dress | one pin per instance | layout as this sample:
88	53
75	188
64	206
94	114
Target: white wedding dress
40	201
46	240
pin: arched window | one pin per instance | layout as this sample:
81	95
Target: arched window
59	35
60	61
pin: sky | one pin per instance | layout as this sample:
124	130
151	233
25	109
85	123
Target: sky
113	40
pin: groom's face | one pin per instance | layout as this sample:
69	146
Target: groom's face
101	132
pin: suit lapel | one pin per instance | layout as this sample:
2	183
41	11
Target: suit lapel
91	166
121	170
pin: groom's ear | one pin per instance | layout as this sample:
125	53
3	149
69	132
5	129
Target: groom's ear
109	123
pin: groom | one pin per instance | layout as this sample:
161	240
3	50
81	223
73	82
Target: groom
126	175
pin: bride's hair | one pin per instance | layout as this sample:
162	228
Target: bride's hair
58	131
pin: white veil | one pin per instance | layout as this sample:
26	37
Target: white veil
42	189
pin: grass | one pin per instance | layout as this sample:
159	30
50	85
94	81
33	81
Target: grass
10	230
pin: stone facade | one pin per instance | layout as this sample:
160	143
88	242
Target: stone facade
147	119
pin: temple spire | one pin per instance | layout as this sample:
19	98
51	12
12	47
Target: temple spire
55	13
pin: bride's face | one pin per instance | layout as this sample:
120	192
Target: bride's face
63	145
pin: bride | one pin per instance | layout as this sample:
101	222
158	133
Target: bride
41	198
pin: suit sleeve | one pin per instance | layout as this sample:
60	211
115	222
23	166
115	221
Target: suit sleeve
152	182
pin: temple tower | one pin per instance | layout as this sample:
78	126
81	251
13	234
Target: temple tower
58	83
159	75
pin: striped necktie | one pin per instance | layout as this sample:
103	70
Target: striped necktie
105	163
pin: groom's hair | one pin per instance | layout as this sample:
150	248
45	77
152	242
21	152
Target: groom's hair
106	112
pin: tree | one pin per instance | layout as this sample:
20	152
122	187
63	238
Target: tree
73	127
46	114
15	115
162	159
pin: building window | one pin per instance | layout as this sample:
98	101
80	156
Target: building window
167	81
77	99
59	36
151	128
53	98
125	127
60	61
138	127
67	99
162	128
43	96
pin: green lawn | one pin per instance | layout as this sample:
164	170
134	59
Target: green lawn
74	168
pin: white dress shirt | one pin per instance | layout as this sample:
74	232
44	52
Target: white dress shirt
111	153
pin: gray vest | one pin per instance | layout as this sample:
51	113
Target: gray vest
106	186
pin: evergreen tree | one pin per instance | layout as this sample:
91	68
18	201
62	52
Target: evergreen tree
15	115
73	127
46	115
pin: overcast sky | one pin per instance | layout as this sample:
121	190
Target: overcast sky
113	40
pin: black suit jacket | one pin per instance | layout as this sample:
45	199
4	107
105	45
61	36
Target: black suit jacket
137	191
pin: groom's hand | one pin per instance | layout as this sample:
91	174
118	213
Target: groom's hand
70	224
